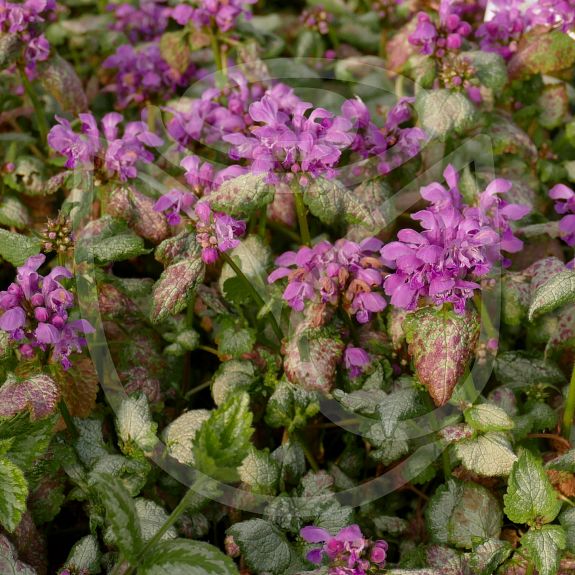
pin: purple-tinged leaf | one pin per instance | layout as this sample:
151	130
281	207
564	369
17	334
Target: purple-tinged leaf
176	284
38	394
441	343
138	211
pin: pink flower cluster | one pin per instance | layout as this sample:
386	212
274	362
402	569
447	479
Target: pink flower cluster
345	273
458	243
565	205
220	13
23	19
111	154
347	553
36	313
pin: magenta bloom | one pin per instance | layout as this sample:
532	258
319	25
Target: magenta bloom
116	155
502	33
141	23
216	232
458	243
345	272
565	204
446	36
394	144
224	13
36	313
25	20
285	145
355	359
554	13
141	74
347	553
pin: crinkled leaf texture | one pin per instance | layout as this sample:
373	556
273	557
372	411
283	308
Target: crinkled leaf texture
38	394
530	497
85	554
9	564
488	417
264	547
121	514
223	440
135	426
488	455
242	196
544	546
441	343
556	292
185	557
488	555
179	435
13	494
16	248
460	511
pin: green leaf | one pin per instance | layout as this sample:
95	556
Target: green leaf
26	448
185	557
260	471
242	196
223	440
554	107
488	555
461	511
333	203
490	68
85	555
10	48
179	435
488	417
442	112
264	547
542	53
518	370
557	292
232	377
544	546
90	444
565	462
291	406
151	518
530	497
175	50
13	213
233	337
108	240
121	515
9	564
488	455
567	520
16	248
441	343
13	494
177	284
132	473
136	430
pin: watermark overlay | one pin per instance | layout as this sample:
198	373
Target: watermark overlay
308	78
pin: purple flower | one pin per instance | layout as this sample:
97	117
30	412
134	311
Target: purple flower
555	13
25	20
36	313
174	202
288	144
224	13
565	205
446	36
347	553
458	243
141	75
216	232
503	31
344	273
141	23
111	153
355	359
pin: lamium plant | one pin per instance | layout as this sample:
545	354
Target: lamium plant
287	288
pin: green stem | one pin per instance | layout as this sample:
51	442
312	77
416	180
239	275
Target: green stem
254	293
569	407
485	318
530	569
301	215
221	73
284	230
262	224
38	110
68	419
308	453
186	502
